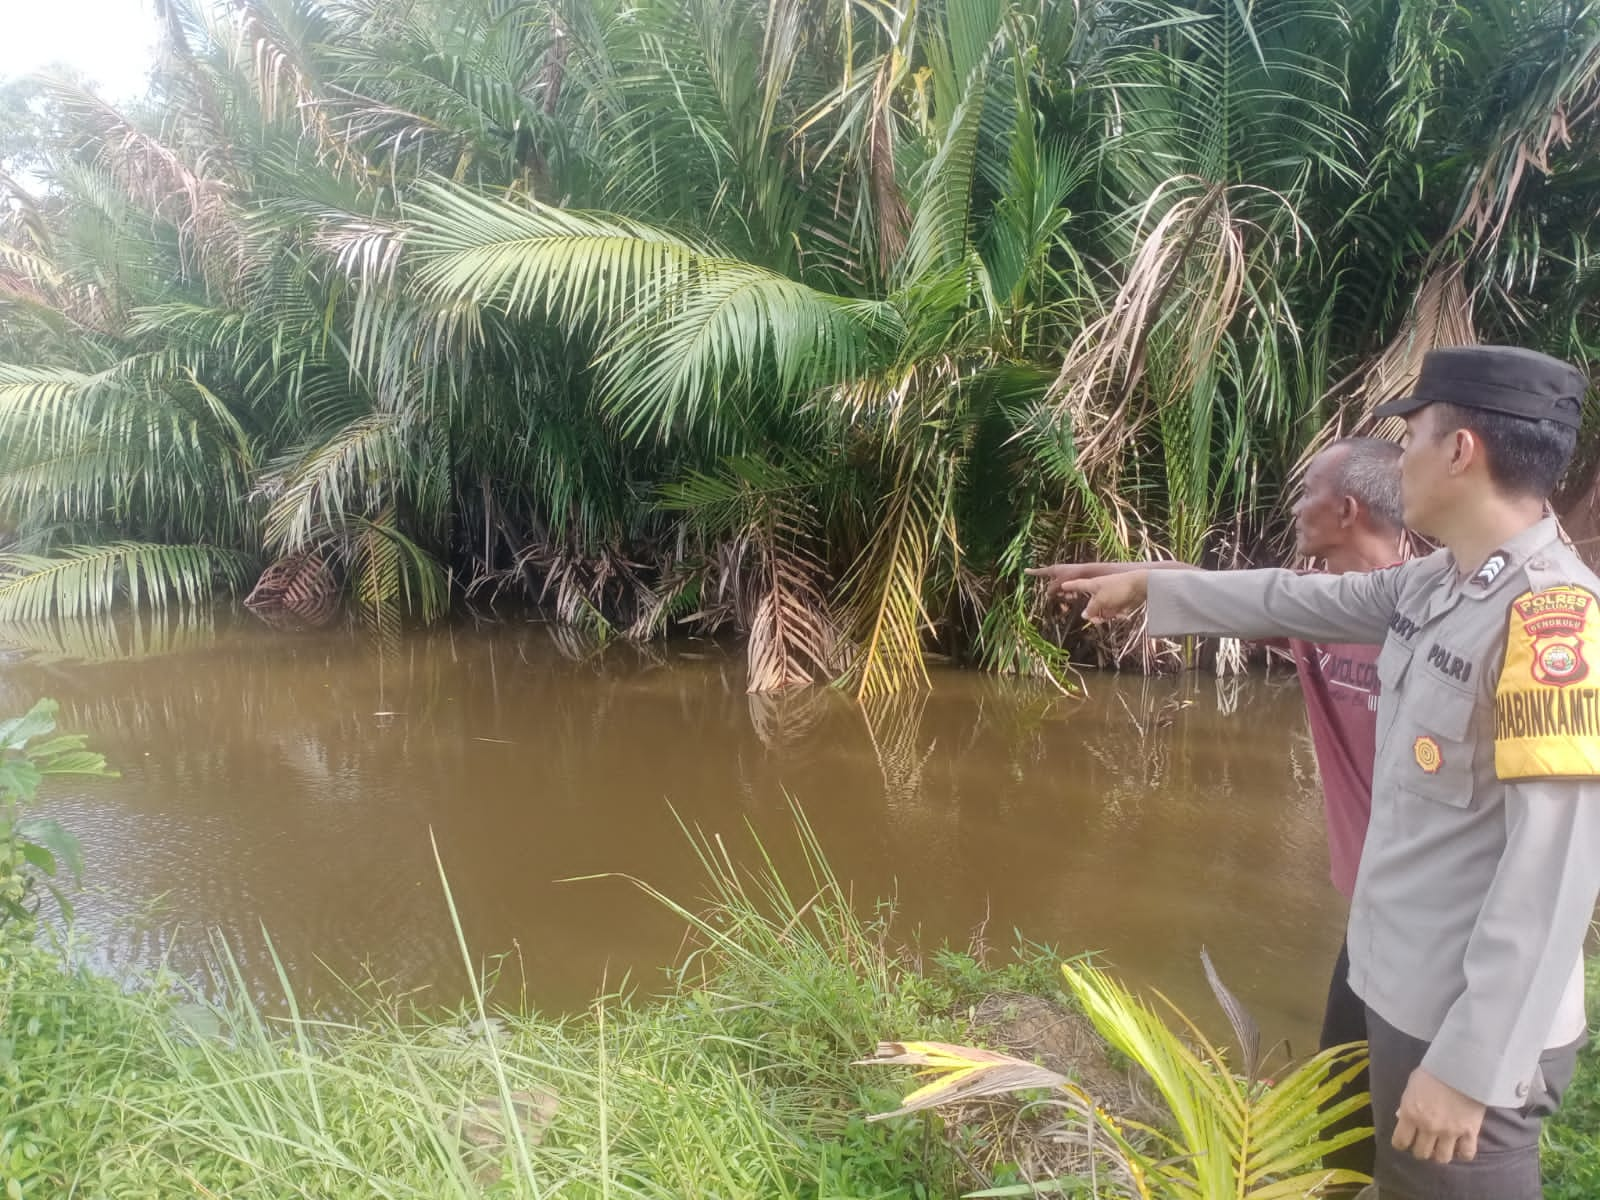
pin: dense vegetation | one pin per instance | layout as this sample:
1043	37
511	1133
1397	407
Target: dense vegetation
817	318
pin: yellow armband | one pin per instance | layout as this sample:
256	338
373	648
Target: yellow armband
1547	704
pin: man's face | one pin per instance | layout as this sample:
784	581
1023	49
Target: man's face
1322	520
1425	470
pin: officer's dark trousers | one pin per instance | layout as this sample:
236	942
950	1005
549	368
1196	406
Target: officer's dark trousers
1507	1165
1345	1021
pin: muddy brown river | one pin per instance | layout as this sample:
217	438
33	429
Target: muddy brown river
290	783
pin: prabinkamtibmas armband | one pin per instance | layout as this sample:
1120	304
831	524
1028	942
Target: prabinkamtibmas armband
1547	705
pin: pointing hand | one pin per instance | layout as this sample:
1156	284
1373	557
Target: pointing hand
1113	589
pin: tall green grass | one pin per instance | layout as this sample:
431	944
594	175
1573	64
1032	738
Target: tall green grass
1572	1137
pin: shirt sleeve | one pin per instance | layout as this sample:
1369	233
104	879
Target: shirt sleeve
1354	607
1527	941
1526	944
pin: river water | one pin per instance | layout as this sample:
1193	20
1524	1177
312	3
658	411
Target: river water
297	783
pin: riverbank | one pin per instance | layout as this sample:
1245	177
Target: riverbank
736	1082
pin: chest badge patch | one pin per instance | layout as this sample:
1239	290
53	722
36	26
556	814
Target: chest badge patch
1554	620
1428	755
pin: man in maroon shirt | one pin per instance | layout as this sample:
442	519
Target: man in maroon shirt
1348	518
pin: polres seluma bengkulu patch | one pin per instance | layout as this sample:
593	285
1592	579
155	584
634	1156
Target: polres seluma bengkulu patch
1547	707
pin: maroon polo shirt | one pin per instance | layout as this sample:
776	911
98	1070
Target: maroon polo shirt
1340	683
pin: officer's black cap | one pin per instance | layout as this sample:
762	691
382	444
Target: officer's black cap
1502	379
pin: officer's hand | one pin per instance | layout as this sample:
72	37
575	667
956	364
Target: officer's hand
1057	577
1114	590
1436	1121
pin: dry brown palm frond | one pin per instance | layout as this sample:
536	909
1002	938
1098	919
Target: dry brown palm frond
1195	238
592	590
794	639
184	77
888	204
156	176
1548	122
904	395
1041	1139
655	601
573	643
1230	659
387	130
31	279
296	590
553	70
728	601
571	583
25	216
282	80
1440	316
1001	1074
782	719
20	268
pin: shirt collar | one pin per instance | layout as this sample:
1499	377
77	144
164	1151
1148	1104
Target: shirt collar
1514	553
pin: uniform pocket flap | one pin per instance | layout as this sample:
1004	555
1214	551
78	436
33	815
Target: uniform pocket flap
1446	711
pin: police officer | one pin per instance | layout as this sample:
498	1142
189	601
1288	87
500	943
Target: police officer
1481	867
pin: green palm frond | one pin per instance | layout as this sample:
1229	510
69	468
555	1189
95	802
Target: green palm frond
1230	1138
353	469
394	577
1008	639
532	259
42	400
733	331
885	590
941	229
110	639
1234	1136
138	443
680	325
91	581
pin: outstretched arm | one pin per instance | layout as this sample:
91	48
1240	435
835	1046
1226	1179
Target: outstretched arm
1353	607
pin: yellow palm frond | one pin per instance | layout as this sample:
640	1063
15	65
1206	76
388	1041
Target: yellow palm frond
1228	1138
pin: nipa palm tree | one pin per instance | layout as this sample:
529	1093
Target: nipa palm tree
822	318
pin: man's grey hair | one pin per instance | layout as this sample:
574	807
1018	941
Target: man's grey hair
1369	470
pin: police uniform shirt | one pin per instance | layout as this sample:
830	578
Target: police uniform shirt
1481	866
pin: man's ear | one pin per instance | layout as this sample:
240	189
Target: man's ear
1465	450
1349	512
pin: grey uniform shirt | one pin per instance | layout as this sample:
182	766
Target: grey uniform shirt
1481	866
